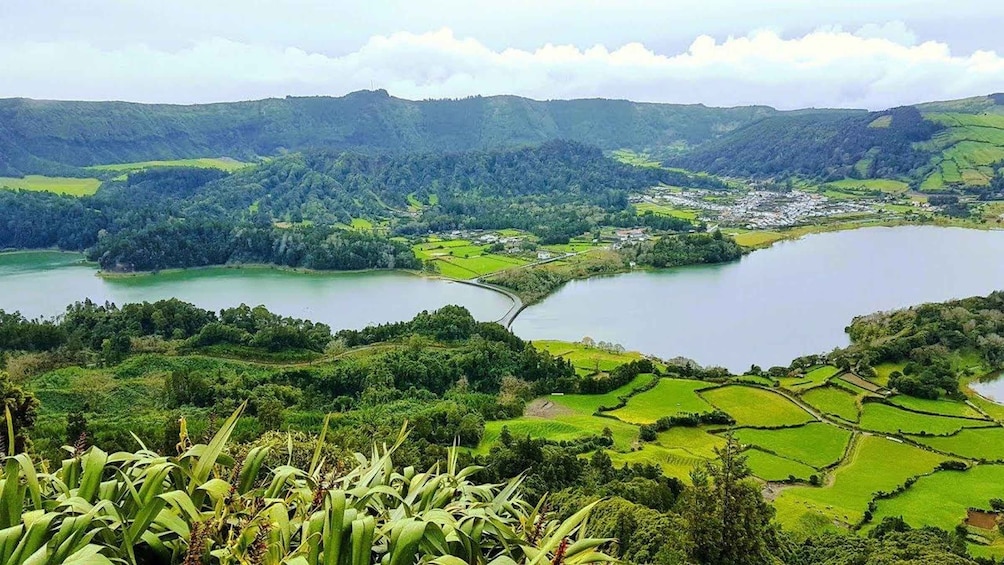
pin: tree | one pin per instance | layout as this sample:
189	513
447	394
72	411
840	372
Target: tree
728	522
23	409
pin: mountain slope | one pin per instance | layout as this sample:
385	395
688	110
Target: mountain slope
52	137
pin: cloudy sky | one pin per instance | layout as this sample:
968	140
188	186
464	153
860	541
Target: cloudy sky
785	53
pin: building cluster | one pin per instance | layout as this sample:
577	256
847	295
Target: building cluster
756	209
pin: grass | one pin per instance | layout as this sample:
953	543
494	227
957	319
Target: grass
876	464
665	210
695	441
814	378
204	163
773	468
817	445
883	371
674	463
361	224
883	185
669	397
590	403
592	359
559	428
59	185
463	259
880	417
833	401
941	407
983	443
941	500
756	407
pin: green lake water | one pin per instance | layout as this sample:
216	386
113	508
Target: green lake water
44	283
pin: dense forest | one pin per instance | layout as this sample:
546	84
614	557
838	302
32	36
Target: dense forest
285	211
927	337
823	146
442	375
56	138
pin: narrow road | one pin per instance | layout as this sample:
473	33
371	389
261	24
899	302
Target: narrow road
517	302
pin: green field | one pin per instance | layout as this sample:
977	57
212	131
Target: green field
204	163
589	403
59	185
590	359
756	407
695	441
462	259
883	185
814	378
876	464
941	500
833	401
561	427
942	407
669	397
982	443
773	468
883	371
880	417
666	210
817	445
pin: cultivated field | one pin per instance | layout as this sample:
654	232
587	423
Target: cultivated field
59	185
669	397
756	407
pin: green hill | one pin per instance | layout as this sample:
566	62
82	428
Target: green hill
56	138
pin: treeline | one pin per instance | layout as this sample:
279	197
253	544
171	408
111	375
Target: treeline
687	249
821	145
926	338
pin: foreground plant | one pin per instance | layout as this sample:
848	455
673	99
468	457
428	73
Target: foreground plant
202	507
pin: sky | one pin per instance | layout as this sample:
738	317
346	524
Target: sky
784	53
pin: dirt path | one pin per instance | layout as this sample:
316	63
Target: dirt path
544	408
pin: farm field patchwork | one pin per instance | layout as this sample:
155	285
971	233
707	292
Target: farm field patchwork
669	397
590	358
814	378
982	443
695	441
880	417
59	185
833	401
941	499
561	427
883	185
817	445
875	464
942	407
756	407
462	259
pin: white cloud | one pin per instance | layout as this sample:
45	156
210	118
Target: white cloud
875	67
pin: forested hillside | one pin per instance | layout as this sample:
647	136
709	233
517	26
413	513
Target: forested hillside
287	211
50	137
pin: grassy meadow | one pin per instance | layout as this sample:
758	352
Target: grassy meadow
59	185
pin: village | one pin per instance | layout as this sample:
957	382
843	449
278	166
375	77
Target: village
755	209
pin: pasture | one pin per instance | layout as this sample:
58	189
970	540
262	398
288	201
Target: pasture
814	378
590	403
225	164
817	445
770	467
980	443
875	464
882	185
833	401
880	417
941	407
59	185
589	358
756	407
669	397
941	500
462	259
